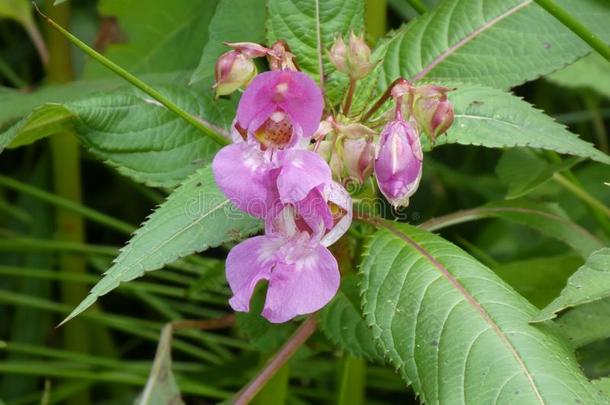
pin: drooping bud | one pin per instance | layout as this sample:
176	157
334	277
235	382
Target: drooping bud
280	57
250	49
353	59
398	166
233	70
432	110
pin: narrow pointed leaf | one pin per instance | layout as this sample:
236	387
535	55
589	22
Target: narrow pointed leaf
195	217
440	314
589	284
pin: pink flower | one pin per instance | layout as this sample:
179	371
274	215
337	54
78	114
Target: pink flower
255	181
302	274
398	166
280	108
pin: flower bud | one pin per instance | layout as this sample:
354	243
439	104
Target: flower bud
358	157
233	70
280	57
250	49
353	59
432	110
398	166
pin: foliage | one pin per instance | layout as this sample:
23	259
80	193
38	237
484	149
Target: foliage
506	302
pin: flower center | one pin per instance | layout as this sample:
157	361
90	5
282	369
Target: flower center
276	131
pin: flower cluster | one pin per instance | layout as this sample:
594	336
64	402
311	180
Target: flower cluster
273	170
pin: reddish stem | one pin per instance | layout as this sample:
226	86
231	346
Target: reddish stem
299	337
386	95
350	96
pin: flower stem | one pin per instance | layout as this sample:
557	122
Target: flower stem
582	194
350	96
352	383
418	5
576	27
299	337
384	97
205	127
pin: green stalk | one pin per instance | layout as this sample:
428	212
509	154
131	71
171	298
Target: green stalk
11	76
352	381
276	389
576	27
205	127
418	5
375	19
68	205
67	181
582	194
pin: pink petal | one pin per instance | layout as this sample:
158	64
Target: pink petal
247	263
302	287
293	92
302	170
339	196
242	173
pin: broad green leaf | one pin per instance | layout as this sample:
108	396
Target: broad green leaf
456	331
158	37
132	132
18	10
195	217
589	284
161	387
343	323
548	219
310	27
146	141
501	43
523	171
234	21
496	119
586	323
16	105
591	72
539	280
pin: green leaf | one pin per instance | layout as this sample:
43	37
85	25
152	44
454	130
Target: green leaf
496	119
589	284
159	37
132	132
310	27
456	332
591	72
195	217
548	219
44	121
501	43
234	21
343	323
539	280
586	323
146	141
523	171
18	10
161	386
603	384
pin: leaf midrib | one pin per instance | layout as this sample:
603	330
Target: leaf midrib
464	292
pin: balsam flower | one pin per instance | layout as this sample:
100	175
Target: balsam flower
280	108
255	181
398	166
302	274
